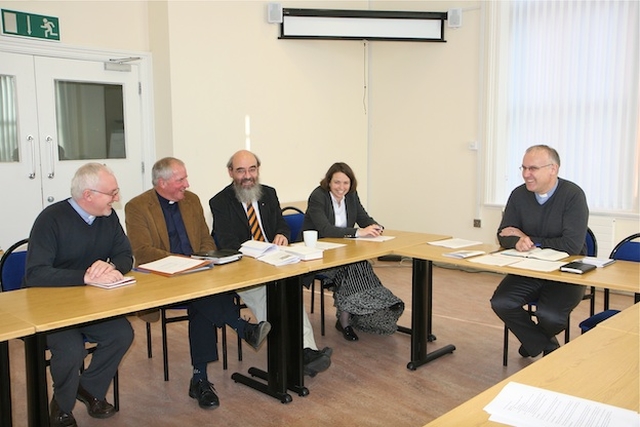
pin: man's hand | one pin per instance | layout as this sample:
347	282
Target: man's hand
102	272
280	240
523	244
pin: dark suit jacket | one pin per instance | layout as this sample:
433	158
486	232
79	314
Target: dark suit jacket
230	223
320	215
147	229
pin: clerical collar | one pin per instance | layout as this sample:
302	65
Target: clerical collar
542	198
83	214
164	201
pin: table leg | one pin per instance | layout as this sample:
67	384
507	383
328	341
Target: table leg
421	315
37	404
284	345
5	385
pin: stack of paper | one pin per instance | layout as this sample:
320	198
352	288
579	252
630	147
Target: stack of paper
463	254
126	280
598	262
219	256
305	253
175	264
256	248
278	258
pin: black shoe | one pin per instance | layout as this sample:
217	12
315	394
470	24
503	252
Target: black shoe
254	334
96	408
523	352
348	333
316	361
203	391
552	346
57	418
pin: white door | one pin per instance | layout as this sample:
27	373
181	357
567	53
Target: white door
56	115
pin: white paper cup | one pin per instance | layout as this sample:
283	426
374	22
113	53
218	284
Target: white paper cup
310	238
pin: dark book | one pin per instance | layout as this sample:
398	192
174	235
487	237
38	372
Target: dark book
577	267
219	256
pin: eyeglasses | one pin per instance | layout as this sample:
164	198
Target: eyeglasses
533	169
112	194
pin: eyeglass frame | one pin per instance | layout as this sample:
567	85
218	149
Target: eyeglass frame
113	194
533	169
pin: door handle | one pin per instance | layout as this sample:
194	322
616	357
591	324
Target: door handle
30	140
52	157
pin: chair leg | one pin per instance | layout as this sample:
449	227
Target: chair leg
592	303
322	308
567	331
505	346
313	294
116	392
224	347
165	355
149	349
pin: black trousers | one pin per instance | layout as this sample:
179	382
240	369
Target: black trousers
554	302
113	337
205	314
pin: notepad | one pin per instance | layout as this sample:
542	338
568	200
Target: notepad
126	280
175	264
546	254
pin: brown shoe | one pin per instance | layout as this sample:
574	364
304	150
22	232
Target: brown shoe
96	408
57	418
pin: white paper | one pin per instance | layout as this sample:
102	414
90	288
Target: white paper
171	264
126	280
322	245
256	248
494	259
527	406
377	238
598	262
305	253
538	265
463	254
279	258
454	243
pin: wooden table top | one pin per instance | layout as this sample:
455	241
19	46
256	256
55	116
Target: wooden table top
621	276
12	327
362	249
79	304
601	365
627	320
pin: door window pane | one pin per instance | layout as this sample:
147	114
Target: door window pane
8	120
90	119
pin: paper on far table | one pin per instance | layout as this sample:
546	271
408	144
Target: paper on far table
527	406
455	243
377	238
322	245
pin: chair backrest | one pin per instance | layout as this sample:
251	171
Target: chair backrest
12	266
592	244
294	220
627	249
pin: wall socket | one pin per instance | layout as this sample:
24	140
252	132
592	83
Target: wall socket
477	223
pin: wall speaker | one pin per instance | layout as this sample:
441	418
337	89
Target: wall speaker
454	18
274	13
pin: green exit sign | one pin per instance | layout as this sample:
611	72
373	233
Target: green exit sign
30	25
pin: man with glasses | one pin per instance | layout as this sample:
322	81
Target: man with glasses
74	242
549	212
230	209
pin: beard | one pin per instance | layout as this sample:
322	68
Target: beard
248	195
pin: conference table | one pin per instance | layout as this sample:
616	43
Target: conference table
600	365
11	327
621	276
49	309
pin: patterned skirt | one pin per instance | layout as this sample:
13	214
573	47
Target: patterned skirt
357	290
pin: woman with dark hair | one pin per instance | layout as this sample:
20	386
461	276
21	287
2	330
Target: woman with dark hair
361	301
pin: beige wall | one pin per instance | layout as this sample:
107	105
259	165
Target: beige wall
400	113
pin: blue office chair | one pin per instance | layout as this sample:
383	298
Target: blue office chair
12	270
592	251
628	249
295	220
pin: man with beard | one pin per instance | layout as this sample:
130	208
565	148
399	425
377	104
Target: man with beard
230	209
168	219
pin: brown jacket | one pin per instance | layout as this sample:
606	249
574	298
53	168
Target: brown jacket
147	229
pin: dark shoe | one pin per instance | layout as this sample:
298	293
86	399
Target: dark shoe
96	408
59	418
348	333
552	346
316	361
523	352
254	334
203	391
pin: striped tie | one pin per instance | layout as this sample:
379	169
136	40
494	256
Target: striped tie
256	233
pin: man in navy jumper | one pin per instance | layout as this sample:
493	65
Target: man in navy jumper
74	242
549	212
